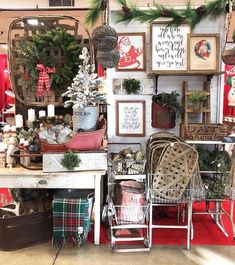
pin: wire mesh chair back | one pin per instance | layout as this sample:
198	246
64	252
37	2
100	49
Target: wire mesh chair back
174	171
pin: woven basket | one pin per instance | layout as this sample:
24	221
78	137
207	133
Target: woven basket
174	171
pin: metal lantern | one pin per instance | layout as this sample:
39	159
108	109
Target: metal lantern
104	38
108	59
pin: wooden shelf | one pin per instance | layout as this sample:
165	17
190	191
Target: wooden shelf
186	73
199	111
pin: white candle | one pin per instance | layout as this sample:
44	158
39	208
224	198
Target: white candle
31	114
50	110
42	113
19	121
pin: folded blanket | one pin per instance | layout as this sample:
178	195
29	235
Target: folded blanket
71	221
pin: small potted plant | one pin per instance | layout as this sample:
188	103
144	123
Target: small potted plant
131	85
197	99
165	108
84	95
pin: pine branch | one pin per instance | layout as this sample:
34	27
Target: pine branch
94	13
216	8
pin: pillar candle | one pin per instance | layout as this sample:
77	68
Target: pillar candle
31	114
50	110
42	113
19	121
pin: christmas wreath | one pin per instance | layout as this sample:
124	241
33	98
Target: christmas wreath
39	53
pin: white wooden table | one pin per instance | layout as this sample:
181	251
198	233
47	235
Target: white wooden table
22	178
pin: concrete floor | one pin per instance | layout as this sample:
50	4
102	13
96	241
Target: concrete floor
101	255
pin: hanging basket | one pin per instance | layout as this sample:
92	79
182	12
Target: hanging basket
108	59
104	38
63	57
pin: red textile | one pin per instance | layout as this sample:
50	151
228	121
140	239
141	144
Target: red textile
206	232
3	66
44	79
5	197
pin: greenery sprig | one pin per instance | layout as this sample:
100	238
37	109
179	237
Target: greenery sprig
70	161
131	85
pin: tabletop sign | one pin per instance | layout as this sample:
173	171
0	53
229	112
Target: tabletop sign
169	47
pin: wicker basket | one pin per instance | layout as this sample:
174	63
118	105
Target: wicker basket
175	169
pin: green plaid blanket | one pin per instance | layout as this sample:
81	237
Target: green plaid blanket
71	221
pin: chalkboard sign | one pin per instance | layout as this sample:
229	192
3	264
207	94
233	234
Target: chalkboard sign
169	47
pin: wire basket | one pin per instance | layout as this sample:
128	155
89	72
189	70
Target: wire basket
131	214
129	167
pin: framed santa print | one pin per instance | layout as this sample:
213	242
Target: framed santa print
131	47
203	52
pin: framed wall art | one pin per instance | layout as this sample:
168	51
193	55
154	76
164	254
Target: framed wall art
131	47
169	47
203	52
130	118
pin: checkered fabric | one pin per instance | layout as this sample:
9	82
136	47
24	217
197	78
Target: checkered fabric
44	79
71	221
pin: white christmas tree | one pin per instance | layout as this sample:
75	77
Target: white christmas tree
84	89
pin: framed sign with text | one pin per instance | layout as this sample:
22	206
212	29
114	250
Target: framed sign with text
169	47
130	118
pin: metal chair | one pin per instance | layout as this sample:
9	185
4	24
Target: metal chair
170	183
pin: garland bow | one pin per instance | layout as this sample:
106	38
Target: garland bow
44	79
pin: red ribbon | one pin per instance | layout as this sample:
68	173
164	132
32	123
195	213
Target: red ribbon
44	79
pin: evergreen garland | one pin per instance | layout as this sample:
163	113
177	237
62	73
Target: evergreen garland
188	15
37	51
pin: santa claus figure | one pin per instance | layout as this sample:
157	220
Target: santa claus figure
128	53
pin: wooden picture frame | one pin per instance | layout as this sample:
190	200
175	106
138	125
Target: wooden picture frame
168	47
131	47
130	118
203	51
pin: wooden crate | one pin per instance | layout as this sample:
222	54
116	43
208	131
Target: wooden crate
204	132
20	31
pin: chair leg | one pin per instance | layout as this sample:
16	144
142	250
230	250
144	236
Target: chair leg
189	224
150	223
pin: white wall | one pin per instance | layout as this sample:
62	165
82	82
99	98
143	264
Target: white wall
165	83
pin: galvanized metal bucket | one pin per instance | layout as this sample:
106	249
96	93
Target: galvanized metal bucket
85	118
